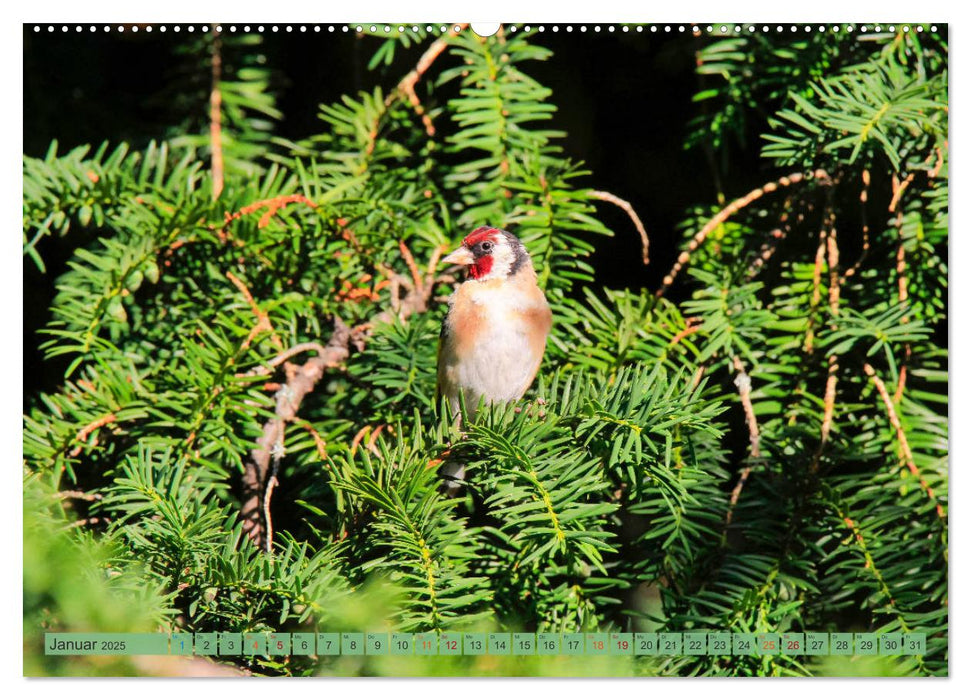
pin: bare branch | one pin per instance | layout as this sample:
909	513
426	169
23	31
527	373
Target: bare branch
626	206
407	84
744	384
731	209
84	432
902	437
215	118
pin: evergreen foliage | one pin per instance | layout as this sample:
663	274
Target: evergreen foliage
767	455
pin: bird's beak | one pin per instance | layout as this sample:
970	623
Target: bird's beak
459	256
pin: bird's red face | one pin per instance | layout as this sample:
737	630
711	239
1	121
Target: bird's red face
489	253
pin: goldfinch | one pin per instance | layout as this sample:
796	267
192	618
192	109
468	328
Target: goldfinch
494	335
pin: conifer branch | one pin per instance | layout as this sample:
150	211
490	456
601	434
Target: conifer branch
301	381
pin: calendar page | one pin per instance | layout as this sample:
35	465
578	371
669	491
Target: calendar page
512	349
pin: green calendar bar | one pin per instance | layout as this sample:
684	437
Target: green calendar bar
817	643
230	644
597	644
98	644
743	644
376	644
841	643
426	644
689	643
500	644
670	643
891	644
767	644
254	644
915	643
794	643
524	644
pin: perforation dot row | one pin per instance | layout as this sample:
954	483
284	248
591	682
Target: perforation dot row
431	29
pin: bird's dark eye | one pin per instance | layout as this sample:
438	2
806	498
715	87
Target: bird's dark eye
486	246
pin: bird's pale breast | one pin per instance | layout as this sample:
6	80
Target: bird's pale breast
493	342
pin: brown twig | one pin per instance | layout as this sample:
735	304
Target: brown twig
85	522
407	84
319	442
817	293
902	437
936	170
78	496
262	318
744	384
864	228
255	509
829	398
898	188
729	211
283	357
84	432
776	236
215	118
272	206
692	325
626	206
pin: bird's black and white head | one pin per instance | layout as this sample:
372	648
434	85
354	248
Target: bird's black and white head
491	253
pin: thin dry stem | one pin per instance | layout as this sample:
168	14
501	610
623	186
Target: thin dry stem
744	384
902	437
407	84
626	206
730	210
215	118
84	432
262	318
